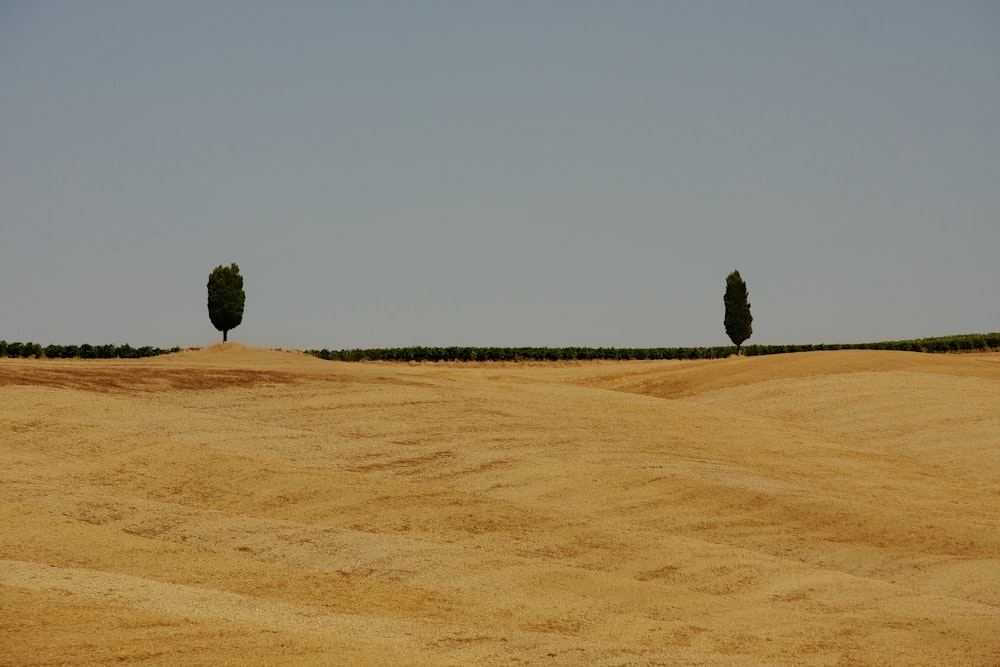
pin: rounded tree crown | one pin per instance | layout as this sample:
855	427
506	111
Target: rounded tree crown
225	297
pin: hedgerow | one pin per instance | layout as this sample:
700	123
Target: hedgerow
960	343
85	351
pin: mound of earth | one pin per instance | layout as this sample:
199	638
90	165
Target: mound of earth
233	505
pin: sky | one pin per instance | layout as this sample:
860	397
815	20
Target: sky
518	173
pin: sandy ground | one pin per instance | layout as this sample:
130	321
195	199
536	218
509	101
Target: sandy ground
240	506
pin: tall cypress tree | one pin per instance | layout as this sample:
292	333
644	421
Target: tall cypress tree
738	318
225	298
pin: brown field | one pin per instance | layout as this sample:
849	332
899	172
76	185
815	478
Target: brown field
241	506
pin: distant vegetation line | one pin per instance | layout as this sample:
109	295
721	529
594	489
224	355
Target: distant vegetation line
84	351
960	343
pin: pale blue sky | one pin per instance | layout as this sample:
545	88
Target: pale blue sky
499	173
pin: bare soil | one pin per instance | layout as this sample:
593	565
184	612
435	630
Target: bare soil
241	506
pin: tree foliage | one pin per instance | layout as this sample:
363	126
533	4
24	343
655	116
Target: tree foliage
943	344
225	298
959	343
85	351
738	319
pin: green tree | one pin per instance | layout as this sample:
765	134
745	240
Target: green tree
738	318
225	298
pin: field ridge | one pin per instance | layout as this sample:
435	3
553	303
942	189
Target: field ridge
234	505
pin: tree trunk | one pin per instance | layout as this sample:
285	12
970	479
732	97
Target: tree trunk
224	334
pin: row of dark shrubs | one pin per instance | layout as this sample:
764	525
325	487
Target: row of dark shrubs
967	342
962	343
84	351
519	353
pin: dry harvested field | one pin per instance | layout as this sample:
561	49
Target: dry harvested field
242	506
